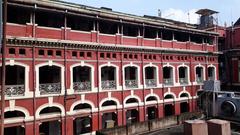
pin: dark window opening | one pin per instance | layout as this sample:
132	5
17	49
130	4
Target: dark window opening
107	27
109	120
132	116
181	36
196	38
150	32
135	56
80	23
18	15
81	74
41	52
152	98
50	53
167	72
184	107
150	73
130	56
16	130
130	73
15	75
11	50
49	74
167	35
89	54
132	100
13	114
59	53
50	128
50	110
102	55
169	110
82	125
81	54
22	51
114	55
182	72
199	71
152	113
108	55
145	56
82	106
130	30
184	95
169	97
74	54
109	103
125	56
49	19
108	73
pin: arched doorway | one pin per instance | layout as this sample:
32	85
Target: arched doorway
152	111
184	105
52	127
132	115
82	125
169	108
15	130
109	118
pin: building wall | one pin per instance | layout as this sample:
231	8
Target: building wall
101	50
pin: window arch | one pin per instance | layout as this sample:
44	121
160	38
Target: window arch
131	73
78	83
52	87
151	75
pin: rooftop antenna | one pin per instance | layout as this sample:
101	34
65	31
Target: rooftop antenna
159	13
188	17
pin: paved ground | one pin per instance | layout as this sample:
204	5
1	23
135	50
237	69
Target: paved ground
176	130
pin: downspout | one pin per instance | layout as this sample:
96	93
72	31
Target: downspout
65	74
4	41
33	71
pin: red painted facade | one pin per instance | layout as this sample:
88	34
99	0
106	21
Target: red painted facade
34	47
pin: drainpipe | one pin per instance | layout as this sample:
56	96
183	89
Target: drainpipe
65	72
33	72
4	41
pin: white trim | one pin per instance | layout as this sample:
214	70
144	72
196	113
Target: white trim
26	76
169	100
184	98
82	64
195	75
188	74
71	111
173	72
40	108
49	63
132	104
116	74
27	116
151	95
109	99
215	71
156	74
138	74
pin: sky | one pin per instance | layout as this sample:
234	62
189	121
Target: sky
180	10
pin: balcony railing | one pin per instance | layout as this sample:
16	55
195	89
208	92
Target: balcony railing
199	80
14	90
151	82
50	88
168	81
131	83
82	86
108	85
183	81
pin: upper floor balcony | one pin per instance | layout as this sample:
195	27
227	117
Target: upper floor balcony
86	29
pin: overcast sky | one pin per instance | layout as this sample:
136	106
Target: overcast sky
181	10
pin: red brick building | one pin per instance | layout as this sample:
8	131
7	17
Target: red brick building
230	57
74	69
